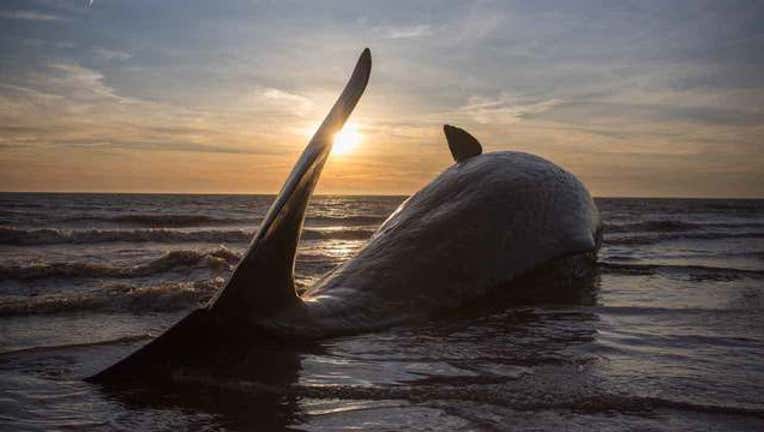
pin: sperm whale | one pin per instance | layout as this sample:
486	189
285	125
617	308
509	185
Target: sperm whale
487	220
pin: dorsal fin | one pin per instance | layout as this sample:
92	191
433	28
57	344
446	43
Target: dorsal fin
462	144
263	282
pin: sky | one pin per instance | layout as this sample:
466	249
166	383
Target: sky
638	98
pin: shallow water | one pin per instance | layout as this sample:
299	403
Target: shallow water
669	335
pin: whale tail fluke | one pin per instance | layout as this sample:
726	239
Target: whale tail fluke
263	282
463	145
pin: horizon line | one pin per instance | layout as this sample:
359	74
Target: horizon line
699	197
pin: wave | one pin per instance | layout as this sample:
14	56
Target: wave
671	311
176	220
698	272
597	402
752	254
46	236
162	220
163	297
44	348
345	220
218	259
758	254
655	402
625	403
675	225
657	238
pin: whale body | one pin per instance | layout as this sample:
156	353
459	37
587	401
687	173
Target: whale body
480	224
485	221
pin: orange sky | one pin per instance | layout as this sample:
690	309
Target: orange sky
193	97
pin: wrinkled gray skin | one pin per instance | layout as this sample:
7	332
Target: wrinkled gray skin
477	226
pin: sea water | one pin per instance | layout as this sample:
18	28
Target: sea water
668	336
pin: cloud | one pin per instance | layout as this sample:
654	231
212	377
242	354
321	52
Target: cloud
293	102
40	43
80	84
505	108
109	54
404	32
579	84
163	145
29	15
70	106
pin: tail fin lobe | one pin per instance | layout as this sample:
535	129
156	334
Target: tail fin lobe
263	282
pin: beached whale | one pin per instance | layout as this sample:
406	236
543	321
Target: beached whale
484	222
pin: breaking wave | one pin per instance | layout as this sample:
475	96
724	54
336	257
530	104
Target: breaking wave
154	220
661	237
47	236
218	259
163	297
163	220
675	225
696	271
43	348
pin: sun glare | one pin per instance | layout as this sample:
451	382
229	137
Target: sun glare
346	140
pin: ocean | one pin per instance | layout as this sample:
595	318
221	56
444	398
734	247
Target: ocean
669	334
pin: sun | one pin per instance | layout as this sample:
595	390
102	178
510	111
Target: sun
346	140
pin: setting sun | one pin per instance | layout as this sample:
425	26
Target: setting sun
346	139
